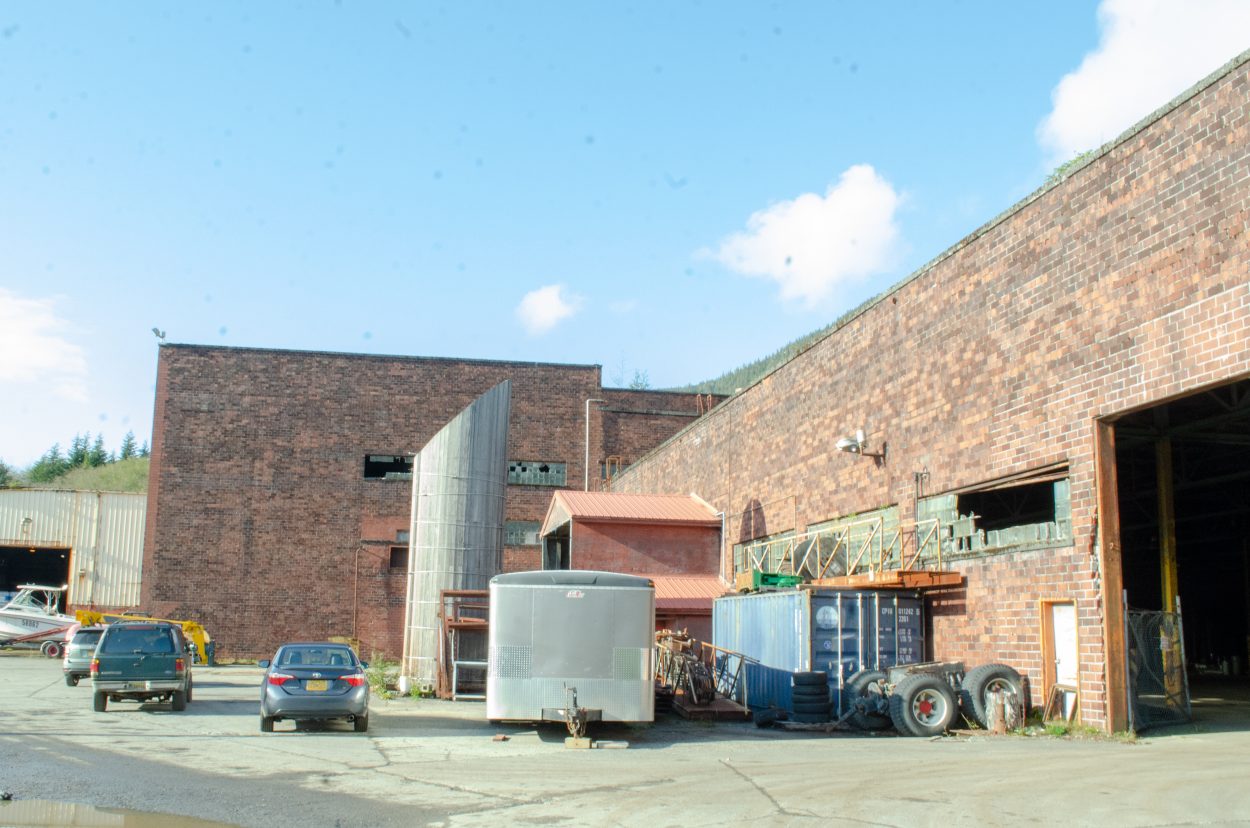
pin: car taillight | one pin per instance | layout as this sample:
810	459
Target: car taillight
279	679
95	666
355	680
180	665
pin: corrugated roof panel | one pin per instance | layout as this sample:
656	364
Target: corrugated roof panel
687	592
637	507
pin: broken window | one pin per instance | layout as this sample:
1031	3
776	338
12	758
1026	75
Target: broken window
521	532
536	473
1032	509
388	467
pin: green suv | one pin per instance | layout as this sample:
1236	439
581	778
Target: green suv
140	661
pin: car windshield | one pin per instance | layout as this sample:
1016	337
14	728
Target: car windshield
315	657
142	640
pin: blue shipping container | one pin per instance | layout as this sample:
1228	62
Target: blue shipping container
836	630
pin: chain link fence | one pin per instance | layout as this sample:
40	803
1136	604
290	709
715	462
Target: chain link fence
1159	689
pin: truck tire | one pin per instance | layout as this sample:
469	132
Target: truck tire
810	678
189	683
266	724
867	687
99	702
977	685
179	700
811	707
810	694
922	705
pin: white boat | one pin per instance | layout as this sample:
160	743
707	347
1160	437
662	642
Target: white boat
32	615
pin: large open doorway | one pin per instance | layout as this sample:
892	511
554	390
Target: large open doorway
1183	472
32	565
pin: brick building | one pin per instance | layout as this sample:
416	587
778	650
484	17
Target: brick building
279	496
674	540
1065	392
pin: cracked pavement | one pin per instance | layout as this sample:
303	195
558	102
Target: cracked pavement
426	762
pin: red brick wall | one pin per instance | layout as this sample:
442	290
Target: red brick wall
1122	286
643	549
260	523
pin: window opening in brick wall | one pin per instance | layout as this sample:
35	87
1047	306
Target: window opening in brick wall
399	557
521	532
536	473
388	466
1029	513
401	536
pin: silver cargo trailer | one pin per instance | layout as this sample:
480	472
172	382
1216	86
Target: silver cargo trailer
570	646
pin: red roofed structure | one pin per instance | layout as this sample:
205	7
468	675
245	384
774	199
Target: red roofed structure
672	539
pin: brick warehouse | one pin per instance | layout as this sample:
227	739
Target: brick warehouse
280	484
1089	345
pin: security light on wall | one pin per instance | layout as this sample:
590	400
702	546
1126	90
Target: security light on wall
858	444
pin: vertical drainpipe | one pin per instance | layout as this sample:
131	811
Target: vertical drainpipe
721	547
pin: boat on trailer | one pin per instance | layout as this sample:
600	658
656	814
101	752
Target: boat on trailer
33	616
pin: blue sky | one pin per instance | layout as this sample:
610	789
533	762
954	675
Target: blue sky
675	188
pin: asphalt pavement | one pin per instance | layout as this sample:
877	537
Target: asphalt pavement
428	762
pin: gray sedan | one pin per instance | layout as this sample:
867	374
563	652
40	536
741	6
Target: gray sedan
314	682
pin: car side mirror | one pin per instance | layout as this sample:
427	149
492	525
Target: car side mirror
264	662
364	665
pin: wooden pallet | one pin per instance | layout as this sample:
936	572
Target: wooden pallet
720	710
894	579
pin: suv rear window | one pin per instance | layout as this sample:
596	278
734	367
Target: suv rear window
86	636
137	640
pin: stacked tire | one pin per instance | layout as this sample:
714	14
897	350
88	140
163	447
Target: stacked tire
810	697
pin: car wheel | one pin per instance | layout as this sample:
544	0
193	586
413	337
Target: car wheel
188	691
179	700
99	702
266	724
922	705
71	681
361	724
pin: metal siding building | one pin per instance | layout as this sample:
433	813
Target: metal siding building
103	532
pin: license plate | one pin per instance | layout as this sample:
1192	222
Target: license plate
317	685
139	685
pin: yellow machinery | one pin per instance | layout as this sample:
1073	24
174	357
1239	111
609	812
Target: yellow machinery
192	630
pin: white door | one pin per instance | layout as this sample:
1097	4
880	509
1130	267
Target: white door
1063	623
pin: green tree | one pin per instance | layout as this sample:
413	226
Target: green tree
98	456
6	474
145	451
78	450
52	465
128	449
641	381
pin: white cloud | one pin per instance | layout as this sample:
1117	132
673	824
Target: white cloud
1149	52
541	309
814	244
33	350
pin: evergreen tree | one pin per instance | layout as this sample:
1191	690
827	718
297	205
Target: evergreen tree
49	467
145	451
98	456
78	450
128	449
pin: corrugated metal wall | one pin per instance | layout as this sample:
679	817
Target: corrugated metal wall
104	531
458	486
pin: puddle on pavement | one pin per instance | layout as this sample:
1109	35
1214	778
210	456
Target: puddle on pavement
41	812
